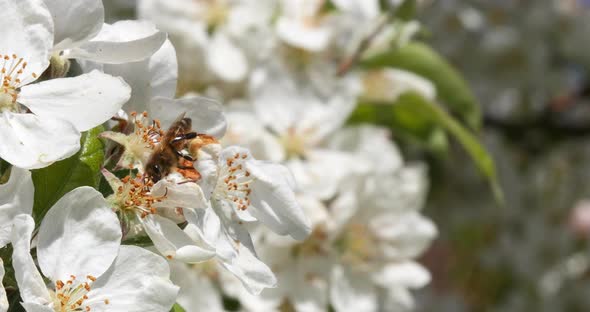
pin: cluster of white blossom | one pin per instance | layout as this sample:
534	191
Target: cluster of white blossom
333	211
64	72
286	70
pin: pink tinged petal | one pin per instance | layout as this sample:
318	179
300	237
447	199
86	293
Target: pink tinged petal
298	34
86	101
137	281
155	76
30	282
31	142
174	243
80	235
75	21
351	291
3	299
206	114
16	197
274	200
197	292
27	32
226	59
121	42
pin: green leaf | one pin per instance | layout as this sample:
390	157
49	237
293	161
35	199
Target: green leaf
82	169
451	88
406	122
478	153
177	308
406	11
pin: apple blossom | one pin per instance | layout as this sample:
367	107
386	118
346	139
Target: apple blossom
79	252
61	108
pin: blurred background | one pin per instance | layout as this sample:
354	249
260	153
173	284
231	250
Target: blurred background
528	65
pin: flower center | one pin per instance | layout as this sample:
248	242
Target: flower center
71	295
12	78
233	183
214	12
357	245
133	197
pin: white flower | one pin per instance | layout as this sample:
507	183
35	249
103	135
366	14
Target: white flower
79	252
388	84
15	198
61	108
197	289
299	120
81	34
240	190
301	25
243	188
148	205
216	39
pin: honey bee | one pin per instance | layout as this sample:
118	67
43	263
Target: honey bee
167	156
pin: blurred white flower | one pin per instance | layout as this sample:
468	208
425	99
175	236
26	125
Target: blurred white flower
79	252
217	39
360	253
296	121
388	84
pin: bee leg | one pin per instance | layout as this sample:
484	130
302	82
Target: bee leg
187	157
184	136
188	181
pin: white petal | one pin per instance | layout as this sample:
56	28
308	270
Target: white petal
75	21
28	141
245	129
274	199
407	236
407	274
322	172
34	307
370	142
197	292
80	235
352	291
174	243
155	76
137	281
253	273
206	114
3	299
186	195
27	31
86	101
122	42
30	282
225	59
366	8
298	34
16	197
